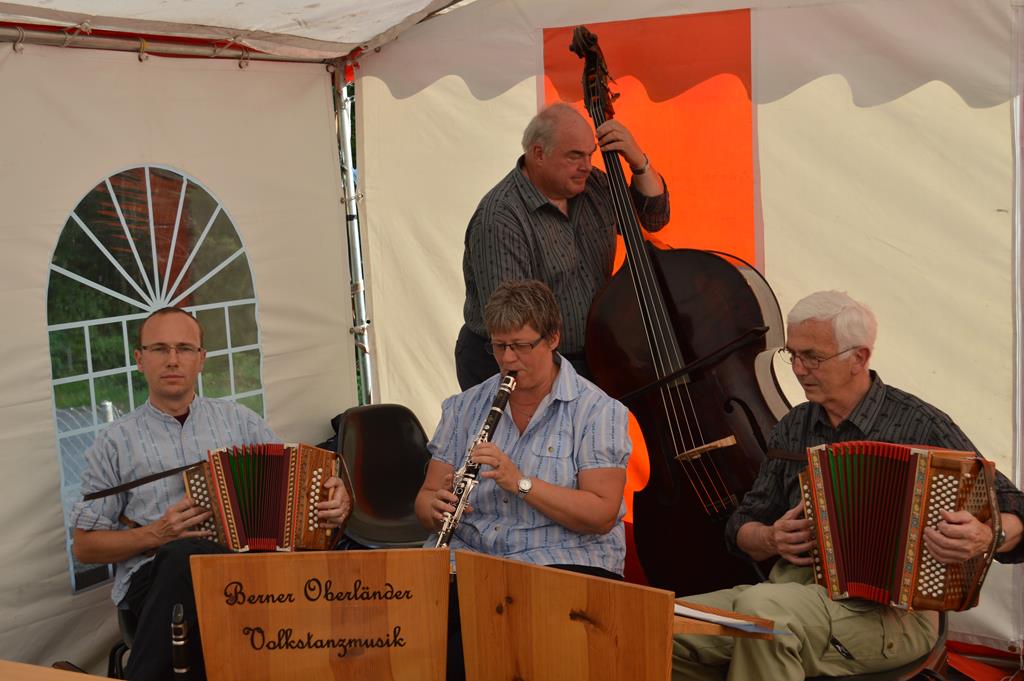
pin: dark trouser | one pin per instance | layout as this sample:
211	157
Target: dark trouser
155	588
455	670
474	364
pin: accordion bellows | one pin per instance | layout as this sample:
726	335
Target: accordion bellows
263	497
870	502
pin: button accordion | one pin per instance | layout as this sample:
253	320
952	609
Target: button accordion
263	497
869	503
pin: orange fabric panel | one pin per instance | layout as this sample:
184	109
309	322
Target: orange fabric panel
684	85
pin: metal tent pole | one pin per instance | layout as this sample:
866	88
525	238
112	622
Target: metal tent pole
25	36
343	99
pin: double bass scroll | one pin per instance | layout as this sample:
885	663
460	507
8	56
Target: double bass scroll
686	338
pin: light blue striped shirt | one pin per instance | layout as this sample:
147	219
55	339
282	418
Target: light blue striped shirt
576	427
149	441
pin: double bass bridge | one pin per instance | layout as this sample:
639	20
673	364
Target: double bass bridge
697	452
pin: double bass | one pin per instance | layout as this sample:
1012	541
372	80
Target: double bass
685	339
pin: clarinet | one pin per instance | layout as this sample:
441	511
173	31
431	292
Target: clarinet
179	639
467	477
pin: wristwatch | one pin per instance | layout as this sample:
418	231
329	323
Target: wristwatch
524	487
643	168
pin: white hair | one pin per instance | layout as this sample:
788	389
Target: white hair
543	127
853	322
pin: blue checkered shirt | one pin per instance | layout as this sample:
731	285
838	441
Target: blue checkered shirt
149	441
576	427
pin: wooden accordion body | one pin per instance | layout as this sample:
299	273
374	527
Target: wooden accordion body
263	497
870	502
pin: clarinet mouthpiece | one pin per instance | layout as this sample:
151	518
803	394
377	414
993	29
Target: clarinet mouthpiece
179	639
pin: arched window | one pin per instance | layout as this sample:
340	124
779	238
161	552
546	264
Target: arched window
142	239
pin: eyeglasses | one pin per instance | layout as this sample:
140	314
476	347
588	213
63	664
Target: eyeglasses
808	360
184	350
520	347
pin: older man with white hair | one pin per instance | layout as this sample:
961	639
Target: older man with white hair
830	341
552	219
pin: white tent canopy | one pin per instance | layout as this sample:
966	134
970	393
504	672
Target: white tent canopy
884	152
296	28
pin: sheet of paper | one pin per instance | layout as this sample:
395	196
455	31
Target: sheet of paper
686	611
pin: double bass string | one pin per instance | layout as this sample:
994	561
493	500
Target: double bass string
655	319
664	349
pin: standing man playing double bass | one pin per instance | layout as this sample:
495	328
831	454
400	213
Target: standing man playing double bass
552	219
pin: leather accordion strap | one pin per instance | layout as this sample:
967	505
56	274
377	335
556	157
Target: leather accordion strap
136	483
786	455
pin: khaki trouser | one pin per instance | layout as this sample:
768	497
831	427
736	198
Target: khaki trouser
876	637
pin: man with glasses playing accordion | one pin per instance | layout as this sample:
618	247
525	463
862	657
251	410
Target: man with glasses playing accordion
150	530
551	470
830	339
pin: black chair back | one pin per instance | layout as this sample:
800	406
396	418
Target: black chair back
385	449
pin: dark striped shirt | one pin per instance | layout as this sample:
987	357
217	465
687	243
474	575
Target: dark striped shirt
886	414
517	233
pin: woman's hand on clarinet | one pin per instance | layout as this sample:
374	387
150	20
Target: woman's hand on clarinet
500	467
444	501
790	536
335	510
958	537
179	521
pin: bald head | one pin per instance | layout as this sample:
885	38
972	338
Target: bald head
546	127
557	146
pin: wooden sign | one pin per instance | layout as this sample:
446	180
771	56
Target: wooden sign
522	621
373	615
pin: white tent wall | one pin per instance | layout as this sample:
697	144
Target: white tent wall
262	140
884	160
886	154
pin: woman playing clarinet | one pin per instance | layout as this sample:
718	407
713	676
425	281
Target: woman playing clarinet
553	469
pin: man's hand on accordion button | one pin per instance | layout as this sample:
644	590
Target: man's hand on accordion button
791	536
179	521
958	537
335	510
